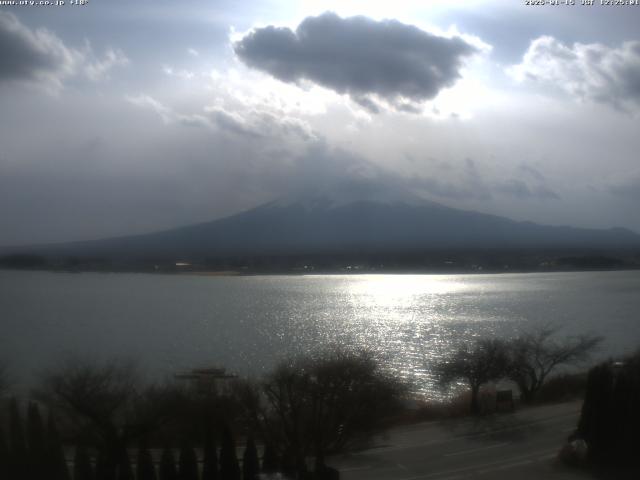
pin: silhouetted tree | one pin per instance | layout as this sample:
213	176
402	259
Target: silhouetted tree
37	443
106	401
188	463
316	406
229	468
210	460
290	466
168	469
125	472
477	364
610	418
105	466
533	356
270	462
250	463
57	462
145	469
19	463
82	468
4	457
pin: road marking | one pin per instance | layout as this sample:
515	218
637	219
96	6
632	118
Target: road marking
473	450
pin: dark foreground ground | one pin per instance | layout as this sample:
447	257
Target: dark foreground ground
521	446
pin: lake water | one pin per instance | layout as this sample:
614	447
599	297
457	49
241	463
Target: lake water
174	322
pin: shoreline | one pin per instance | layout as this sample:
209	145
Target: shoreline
238	273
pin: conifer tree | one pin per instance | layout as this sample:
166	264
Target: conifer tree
56	461
82	468
125	472
18	463
229	468
36	439
105	469
210	461
188	463
4	456
145	469
168	466
269	459
250	463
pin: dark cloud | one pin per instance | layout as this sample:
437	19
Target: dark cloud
359	57
31	55
594	71
38	55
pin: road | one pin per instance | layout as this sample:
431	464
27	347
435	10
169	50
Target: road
521	445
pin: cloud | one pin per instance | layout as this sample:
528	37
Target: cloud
39	56
468	182
230	121
519	189
358	56
628	187
248	123
99	68
168	115
183	74
593	72
36	55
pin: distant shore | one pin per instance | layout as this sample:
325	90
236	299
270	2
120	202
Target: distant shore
249	273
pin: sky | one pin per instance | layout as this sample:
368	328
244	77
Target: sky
123	117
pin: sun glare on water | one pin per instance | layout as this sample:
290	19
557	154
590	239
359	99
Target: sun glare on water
385	291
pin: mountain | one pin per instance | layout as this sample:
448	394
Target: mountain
346	223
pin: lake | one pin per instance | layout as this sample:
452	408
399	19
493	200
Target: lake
174	322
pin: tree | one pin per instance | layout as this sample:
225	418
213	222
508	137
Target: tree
57	462
312	407
168	469
96	398
210	460
188	463
4	457
19	462
125	472
229	468
105	468
250	463
269	459
82	469
533	356
481	362
37	443
105	403
145	469
610	417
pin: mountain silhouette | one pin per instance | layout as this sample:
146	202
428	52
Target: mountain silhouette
344	222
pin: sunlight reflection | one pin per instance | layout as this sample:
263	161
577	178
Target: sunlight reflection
391	290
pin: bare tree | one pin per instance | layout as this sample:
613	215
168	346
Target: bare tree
481	362
102	402
533	356
313	407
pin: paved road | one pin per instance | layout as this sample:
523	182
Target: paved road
520	446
